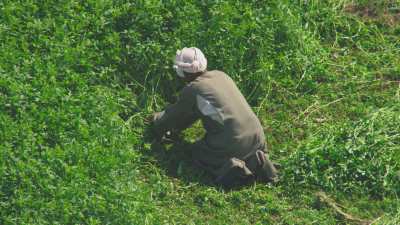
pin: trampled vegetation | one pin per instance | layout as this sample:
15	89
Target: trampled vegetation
77	79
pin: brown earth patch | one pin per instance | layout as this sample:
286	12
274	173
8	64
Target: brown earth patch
389	16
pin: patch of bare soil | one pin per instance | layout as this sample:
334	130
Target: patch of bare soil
389	16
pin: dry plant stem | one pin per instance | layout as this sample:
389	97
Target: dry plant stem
324	198
308	111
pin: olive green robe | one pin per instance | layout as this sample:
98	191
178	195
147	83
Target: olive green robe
232	128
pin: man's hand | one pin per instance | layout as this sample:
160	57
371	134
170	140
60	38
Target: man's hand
149	119
171	137
167	137
159	137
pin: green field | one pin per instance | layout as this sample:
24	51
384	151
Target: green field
78	79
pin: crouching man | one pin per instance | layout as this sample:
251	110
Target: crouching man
233	149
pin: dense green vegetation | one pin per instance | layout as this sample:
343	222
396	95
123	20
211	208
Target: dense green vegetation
77	79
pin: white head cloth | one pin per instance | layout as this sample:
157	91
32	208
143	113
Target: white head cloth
189	60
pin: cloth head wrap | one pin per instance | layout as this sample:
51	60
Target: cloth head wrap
189	60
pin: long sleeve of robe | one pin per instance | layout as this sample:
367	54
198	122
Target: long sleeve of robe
178	116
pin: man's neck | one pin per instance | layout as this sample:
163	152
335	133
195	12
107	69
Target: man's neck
189	77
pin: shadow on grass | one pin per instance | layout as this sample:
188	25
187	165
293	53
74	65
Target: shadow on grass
174	157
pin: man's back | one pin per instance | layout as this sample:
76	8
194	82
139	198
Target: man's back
236	129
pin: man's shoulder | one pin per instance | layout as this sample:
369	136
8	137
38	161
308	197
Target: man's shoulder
215	72
208	76
207	79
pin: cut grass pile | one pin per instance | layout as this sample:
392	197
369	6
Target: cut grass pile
78	78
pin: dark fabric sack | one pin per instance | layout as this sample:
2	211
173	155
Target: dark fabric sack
262	168
234	172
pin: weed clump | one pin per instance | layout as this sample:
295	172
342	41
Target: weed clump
354	157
